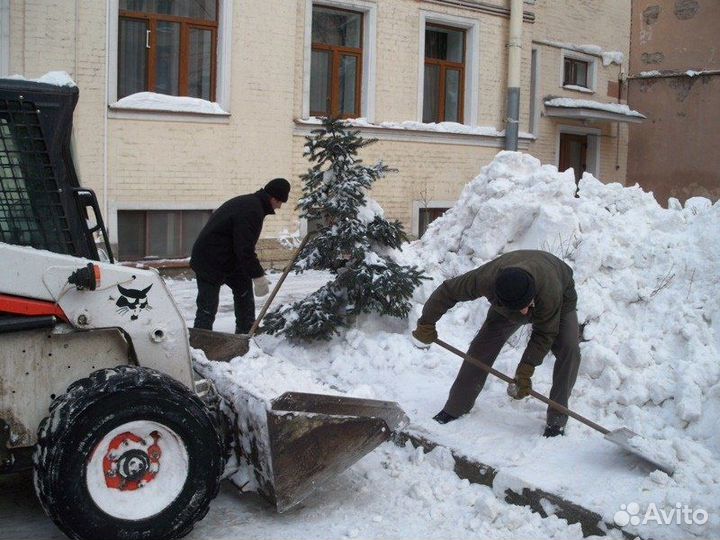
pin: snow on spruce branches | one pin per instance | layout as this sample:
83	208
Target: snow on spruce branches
353	241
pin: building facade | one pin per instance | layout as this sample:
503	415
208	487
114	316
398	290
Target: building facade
427	78
675	79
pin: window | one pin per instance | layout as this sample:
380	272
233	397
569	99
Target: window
168	47
336	62
158	233
444	77
576	72
427	216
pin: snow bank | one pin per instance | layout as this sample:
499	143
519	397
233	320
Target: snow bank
647	279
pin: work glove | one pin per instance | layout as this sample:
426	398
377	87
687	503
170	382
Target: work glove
424	335
523	381
262	286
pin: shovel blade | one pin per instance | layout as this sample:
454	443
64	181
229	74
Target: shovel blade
640	447
219	346
312	438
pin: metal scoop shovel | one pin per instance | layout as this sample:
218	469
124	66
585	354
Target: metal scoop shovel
623	437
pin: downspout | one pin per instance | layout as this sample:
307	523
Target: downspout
105	113
513	86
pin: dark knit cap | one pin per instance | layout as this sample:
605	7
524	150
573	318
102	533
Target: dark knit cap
278	188
514	288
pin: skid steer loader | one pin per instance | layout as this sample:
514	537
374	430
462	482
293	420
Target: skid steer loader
98	394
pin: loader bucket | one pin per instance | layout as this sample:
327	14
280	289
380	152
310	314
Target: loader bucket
306	439
287	446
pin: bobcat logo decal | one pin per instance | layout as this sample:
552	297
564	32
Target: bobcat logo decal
133	301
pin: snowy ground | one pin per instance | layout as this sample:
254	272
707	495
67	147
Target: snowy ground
647	279
391	493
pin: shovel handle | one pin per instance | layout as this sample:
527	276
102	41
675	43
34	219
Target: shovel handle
279	283
554	404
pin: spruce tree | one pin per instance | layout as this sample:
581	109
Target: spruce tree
353	241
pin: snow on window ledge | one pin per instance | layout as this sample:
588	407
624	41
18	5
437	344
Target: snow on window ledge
161	103
450	128
576	88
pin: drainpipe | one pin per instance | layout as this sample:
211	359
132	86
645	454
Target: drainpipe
513	90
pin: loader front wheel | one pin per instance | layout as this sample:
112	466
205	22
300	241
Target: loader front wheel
127	453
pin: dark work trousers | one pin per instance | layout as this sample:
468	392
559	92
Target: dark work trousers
486	346
208	299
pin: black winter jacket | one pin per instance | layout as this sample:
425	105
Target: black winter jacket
555	295
227	242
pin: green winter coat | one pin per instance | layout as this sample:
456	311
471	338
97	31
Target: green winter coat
555	295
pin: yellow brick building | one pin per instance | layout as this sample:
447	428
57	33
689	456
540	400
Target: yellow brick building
402	66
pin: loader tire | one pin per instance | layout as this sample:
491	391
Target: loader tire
127	453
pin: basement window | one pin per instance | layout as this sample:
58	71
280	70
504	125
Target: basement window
158	234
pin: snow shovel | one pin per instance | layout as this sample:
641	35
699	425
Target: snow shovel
222	346
623	437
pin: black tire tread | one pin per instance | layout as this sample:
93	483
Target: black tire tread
81	394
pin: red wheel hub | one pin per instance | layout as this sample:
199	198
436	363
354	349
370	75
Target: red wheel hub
131	462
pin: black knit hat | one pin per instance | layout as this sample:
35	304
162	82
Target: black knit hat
514	288
278	188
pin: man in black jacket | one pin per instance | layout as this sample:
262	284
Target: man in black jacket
224	253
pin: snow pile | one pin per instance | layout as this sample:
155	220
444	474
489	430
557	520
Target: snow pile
647	279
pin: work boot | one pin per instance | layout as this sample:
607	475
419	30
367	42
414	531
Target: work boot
553	431
443	418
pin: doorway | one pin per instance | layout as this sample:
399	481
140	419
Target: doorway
573	153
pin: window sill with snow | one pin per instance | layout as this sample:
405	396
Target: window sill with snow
410	131
152	106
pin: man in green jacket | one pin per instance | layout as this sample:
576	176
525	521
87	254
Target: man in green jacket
523	287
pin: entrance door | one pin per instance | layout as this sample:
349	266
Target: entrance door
573	153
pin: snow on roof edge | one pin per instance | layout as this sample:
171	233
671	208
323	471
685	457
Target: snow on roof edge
617	108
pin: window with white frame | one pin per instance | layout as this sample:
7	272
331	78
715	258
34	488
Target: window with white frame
425	211
426	216
336	64
172	47
168	47
449	69
340	58
578	71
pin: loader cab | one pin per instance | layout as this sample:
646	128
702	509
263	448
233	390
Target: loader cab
41	202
